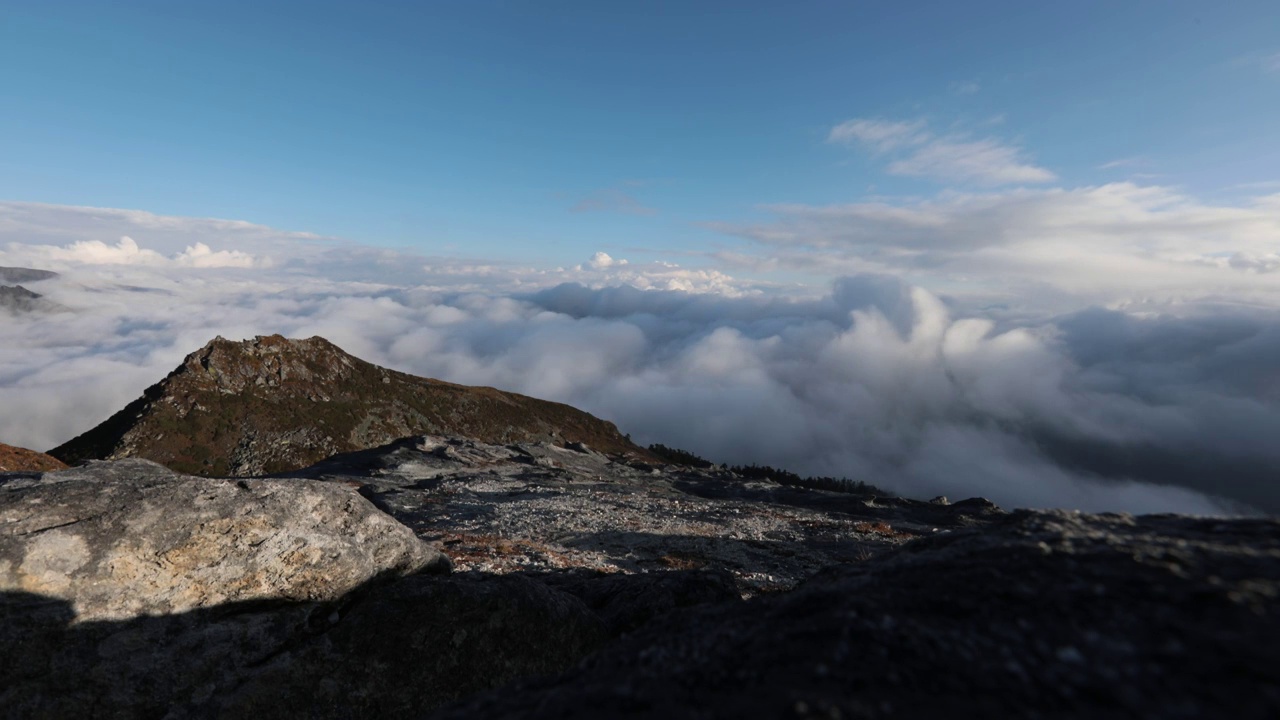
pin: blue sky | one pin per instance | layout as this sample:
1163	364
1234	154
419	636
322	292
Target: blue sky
543	132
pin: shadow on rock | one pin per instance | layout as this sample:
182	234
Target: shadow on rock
390	649
1038	615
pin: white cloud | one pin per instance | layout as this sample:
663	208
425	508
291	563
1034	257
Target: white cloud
95	252
987	162
200	255
951	158
1122	163
1108	244
602	260
127	252
881	135
965	88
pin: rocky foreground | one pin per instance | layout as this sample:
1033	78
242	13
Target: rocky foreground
590	586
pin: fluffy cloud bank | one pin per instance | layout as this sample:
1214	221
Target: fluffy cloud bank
127	252
876	378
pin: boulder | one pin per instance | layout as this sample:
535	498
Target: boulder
127	590
118	540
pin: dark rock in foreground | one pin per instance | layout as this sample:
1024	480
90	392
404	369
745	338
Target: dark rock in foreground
1041	615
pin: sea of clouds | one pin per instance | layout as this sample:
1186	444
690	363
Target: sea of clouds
1049	391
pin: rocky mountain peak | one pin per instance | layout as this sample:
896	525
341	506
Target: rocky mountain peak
16	298
273	404
273	361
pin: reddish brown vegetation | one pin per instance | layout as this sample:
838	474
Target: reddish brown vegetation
14	459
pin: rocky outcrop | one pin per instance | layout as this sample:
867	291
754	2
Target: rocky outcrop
1041	615
17	299
16	459
131	538
535	507
273	404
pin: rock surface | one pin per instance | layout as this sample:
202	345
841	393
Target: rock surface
129	590
16	459
130	538
540	506
1040	615
590	586
273	404
391	650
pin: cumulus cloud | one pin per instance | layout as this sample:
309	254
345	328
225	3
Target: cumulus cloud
602	260
96	252
950	158
200	255
127	252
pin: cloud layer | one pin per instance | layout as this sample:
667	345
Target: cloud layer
874	378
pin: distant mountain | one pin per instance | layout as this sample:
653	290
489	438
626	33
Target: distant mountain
274	404
17	299
16	459
24	275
